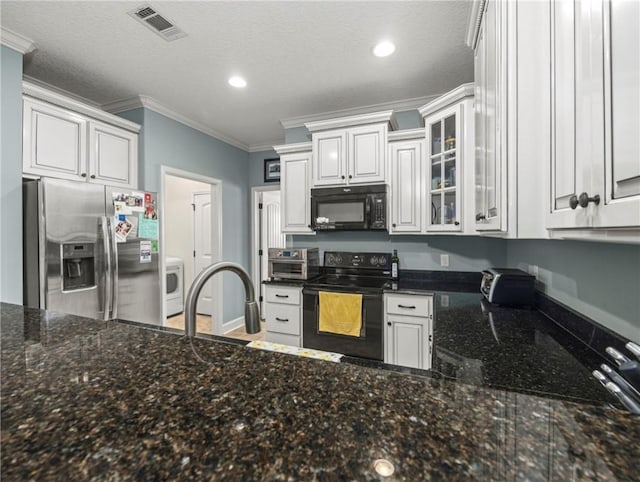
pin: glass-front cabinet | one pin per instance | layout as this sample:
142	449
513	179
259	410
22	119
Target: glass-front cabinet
443	185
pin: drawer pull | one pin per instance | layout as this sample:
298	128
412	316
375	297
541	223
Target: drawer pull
407	307
282	296
282	319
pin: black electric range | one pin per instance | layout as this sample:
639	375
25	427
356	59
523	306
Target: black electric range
367	274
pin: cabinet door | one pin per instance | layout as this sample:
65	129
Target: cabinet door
54	141
113	155
620	184
489	160
406	342
444	148
570	172
366	154
296	201
406	186
329	156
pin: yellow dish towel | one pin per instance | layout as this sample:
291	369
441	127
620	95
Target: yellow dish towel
340	313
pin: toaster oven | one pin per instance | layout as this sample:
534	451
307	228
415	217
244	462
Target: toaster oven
508	286
293	263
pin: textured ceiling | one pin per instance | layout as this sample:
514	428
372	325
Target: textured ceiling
299	57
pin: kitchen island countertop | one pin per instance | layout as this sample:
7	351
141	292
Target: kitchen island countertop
85	399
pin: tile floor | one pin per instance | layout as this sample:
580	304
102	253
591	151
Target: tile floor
203	325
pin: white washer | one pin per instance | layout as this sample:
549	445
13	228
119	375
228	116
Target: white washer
174	297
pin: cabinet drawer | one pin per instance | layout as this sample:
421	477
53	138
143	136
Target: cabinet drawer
283	294
409	305
283	318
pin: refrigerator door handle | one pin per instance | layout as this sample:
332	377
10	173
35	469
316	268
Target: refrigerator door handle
108	293
114	270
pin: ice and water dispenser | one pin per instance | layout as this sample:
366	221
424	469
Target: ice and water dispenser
78	266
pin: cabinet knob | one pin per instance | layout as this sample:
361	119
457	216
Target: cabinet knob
350	176
93	176
84	174
480	217
393	225
583	201
342	177
388	323
457	223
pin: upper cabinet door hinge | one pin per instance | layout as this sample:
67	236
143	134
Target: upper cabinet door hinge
193	206
259	205
259	252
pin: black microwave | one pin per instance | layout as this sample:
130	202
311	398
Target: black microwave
349	208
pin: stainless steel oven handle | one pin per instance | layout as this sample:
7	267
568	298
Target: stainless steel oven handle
282	319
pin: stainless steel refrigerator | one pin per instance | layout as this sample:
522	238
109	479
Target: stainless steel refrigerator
91	250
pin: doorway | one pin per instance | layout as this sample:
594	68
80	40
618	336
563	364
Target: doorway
265	233
192	238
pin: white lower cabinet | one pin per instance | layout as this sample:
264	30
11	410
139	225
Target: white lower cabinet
408	335
283	314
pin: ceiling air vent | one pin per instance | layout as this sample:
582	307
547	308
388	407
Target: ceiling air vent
149	16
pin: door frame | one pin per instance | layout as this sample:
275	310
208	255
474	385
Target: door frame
256	197
216	239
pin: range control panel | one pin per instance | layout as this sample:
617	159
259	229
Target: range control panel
344	259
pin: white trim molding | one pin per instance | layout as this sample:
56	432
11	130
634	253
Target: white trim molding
475	18
398	106
58	90
37	91
406	135
266	146
152	104
229	326
15	41
292	148
386	116
456	95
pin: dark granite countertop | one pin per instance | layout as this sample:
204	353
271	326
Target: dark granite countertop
92	400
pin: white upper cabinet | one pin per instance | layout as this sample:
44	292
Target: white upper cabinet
350	150
295	187
113	157
54	141
595	159
406	158
63	138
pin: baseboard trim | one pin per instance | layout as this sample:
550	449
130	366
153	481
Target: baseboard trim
232	325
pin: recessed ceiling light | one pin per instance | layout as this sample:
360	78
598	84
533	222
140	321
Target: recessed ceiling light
237	81
384	49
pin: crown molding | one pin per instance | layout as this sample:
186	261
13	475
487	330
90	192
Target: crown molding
398	106
50	87
406	135
152	104
385	116
457	94
475	18
293	148
38	91
265	146
15	41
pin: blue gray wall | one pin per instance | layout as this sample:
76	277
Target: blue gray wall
11	176
170	143
256	167
599	280
415	252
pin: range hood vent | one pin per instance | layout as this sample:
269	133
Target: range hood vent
149	16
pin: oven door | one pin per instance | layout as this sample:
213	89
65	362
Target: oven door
287	269
339	211
368	345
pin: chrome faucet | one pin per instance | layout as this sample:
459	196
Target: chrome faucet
251	311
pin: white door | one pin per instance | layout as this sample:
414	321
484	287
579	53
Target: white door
329	155
406	182
366	154
113	155
270	232
202	247
294	185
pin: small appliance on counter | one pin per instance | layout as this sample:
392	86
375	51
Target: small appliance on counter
508	286
293	263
